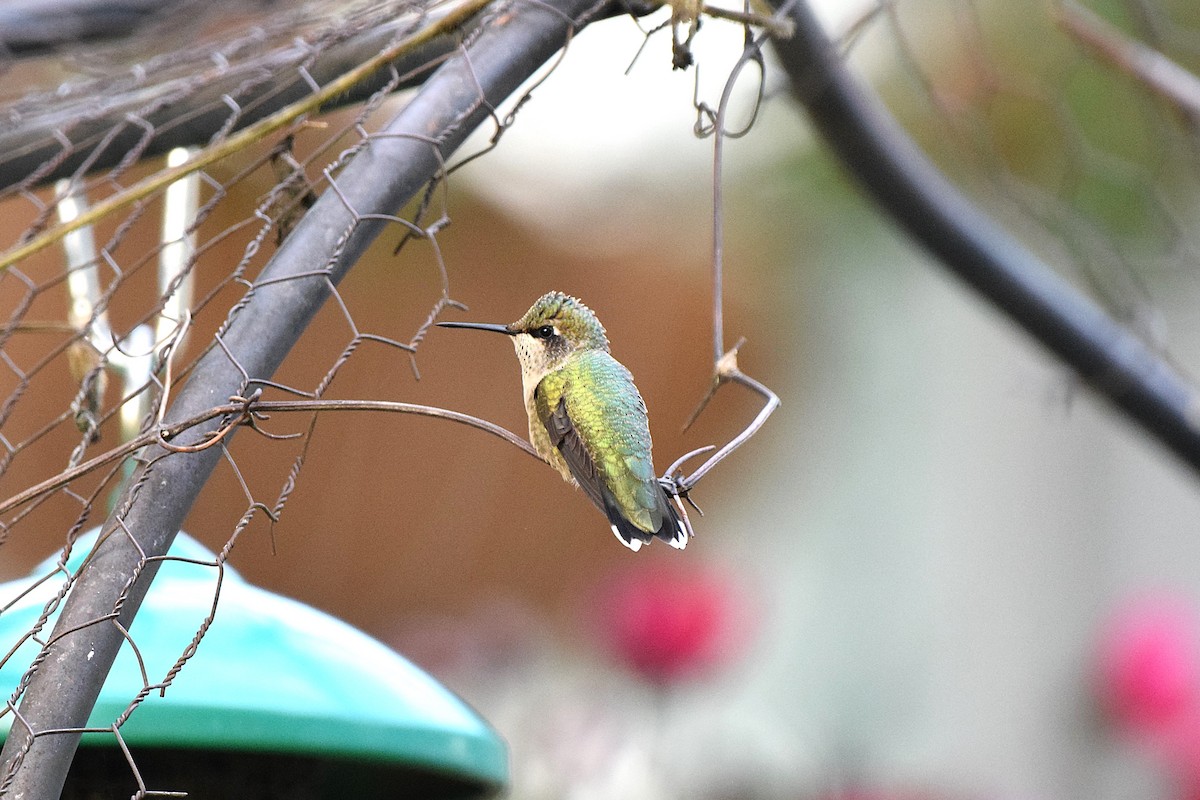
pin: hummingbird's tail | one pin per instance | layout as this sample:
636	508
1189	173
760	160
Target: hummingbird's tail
674	531
671	529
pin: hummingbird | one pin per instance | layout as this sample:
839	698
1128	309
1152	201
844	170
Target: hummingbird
587	419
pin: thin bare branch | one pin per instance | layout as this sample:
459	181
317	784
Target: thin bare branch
243	412
725	367
1158	73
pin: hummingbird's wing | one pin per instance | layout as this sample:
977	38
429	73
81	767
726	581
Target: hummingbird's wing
565	437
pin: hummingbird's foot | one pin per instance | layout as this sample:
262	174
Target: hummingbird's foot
676	487
678	493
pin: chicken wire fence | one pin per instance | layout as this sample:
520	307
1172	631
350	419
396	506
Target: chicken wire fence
179	201
152	202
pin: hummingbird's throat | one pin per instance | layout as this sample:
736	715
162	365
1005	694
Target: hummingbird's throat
532	355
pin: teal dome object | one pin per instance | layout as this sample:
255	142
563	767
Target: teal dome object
273	679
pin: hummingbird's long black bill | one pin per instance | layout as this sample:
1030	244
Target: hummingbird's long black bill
482	326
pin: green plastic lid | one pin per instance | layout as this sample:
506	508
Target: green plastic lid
271	675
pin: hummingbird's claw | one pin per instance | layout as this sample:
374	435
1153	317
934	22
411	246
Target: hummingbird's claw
674	486
686	494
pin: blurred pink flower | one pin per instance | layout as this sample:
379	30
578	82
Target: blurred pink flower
672	622
1148	665
1149	679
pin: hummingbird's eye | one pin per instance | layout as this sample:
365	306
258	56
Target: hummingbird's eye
544	332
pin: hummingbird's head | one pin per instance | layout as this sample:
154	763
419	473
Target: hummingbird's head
554	327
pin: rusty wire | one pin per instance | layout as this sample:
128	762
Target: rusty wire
247	99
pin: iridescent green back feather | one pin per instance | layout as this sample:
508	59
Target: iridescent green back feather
606	410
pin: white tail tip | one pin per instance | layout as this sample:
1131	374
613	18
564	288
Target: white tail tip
633	544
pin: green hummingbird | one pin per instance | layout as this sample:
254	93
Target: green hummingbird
587	419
